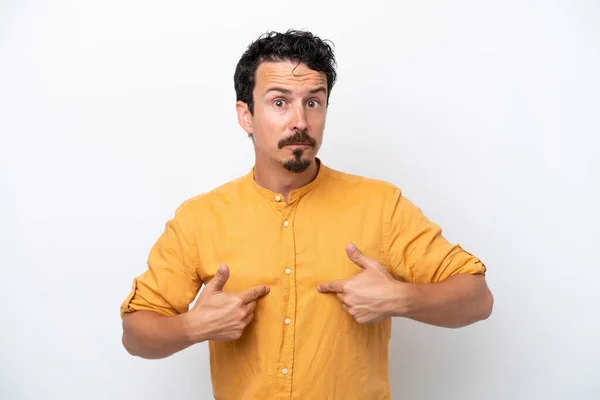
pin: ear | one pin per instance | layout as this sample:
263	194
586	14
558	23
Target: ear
244	117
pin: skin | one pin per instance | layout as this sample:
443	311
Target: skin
290	105
374	295
217	315
290	108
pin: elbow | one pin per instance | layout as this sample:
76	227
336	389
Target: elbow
481	312
487	305
126	339
484	302
127	344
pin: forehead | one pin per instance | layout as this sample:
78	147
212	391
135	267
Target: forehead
288	74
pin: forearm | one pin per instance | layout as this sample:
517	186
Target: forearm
151	335
453	303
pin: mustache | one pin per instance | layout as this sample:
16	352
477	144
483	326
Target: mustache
299	137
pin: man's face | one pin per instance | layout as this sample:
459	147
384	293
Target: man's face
290	106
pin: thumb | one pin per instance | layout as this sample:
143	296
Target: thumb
358	256
220	279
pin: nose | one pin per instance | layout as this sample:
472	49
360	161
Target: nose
298	121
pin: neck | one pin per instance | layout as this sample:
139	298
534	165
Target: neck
277	179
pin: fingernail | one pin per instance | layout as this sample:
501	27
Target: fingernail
319	289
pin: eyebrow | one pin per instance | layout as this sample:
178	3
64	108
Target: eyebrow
288	91
278	89
319	89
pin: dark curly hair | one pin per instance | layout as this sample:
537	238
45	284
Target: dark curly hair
293	45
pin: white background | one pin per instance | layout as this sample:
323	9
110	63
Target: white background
485	113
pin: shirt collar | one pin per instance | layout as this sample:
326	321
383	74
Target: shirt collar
294	194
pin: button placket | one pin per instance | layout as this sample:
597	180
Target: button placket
286	354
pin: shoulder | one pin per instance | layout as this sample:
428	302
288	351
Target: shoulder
215	198
372	188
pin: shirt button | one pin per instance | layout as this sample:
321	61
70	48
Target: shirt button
285	223
288	271
288	321
277	198
284	371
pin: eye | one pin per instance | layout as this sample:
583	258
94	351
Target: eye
313	103
279	103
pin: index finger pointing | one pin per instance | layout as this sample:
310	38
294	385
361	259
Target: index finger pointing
253	293
335	286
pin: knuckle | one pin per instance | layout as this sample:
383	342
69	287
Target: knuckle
238	302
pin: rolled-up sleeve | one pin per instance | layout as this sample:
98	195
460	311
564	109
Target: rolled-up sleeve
171	281
418	252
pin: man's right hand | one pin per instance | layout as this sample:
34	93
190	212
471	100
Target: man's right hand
222	316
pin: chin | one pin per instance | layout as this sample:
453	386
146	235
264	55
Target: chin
298	164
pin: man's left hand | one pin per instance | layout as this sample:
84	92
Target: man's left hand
372	295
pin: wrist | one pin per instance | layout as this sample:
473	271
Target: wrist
192	328
405	296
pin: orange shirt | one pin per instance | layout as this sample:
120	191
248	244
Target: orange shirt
301	343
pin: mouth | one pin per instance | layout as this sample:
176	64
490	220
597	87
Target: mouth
300	144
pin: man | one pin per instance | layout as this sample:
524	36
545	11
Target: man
302	266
